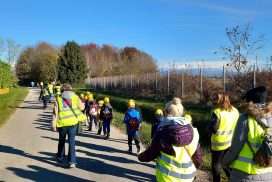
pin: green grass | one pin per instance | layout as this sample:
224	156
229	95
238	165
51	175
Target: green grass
9	102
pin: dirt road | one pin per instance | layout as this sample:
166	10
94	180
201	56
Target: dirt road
28	147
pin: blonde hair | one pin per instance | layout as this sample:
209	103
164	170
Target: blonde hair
174	108
223	101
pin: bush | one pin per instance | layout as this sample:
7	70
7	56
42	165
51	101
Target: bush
6	76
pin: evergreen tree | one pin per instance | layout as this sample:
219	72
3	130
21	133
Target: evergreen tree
72	65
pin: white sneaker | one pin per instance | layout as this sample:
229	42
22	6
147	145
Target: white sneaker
72	165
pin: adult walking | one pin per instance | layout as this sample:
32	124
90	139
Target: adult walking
175	146
133	120
250	132
223	121
67	115
45	96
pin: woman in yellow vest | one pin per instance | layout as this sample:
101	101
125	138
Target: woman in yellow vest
67	115
174	146
223	121
247	139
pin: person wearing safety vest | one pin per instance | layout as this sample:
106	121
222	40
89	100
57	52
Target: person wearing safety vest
99	122
50	90
175	147
247	140
45	96
106	116
67	115
57	90
133	120
158	118
223	121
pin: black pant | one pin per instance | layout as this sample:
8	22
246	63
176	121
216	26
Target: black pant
217	157
135	137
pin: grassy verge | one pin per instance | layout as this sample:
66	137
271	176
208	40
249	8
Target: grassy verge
9	102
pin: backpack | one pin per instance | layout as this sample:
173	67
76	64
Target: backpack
133	124
93	110
263	156
107	112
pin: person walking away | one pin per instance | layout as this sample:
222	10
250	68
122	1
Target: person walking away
41	91
175	147
99	121
221	128
249	156
51	91
106	117
133	120
67	115
45	96
57	90
93	114
156	121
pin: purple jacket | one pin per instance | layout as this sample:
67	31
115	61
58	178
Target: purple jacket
167	136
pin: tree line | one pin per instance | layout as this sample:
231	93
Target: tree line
73	63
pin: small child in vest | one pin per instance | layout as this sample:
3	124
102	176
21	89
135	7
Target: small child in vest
106	117
93	114
99	122
132	120
158	118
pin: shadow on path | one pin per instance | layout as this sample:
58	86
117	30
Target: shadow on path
38	173
107	149
44	175
100	167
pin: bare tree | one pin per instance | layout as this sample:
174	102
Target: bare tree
242	44
13	50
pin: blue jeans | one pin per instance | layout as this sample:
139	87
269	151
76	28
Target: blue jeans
71	132
106	127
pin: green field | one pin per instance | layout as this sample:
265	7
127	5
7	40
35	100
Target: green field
9	102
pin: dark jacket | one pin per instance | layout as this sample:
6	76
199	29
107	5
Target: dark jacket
106	113
167	136
155	125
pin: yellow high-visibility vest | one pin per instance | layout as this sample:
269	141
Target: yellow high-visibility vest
245	161
179	168
66	117
57	90
221	140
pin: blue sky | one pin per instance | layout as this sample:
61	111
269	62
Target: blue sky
169	30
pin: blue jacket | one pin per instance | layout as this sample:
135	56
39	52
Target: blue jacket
132	120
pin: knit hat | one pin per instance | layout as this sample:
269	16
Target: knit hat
256	95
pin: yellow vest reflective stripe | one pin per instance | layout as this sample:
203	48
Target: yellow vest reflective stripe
66	117
221	140
179	168
245	161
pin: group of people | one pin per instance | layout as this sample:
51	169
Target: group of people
239	141
48	92
98	113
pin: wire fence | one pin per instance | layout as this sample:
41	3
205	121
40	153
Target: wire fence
189	82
